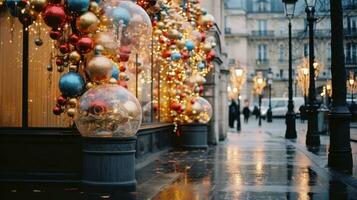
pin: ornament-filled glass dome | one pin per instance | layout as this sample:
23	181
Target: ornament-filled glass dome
200	110
108	111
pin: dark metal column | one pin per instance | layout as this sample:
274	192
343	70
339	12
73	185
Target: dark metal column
312	136
25	78
260	110
339	157
290	117
269	112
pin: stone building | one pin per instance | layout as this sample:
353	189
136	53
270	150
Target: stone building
217	81
256	34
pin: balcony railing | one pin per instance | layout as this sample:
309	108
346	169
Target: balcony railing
350	32
260	62
263	33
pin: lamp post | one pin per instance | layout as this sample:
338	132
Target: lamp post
258	85
312	136
339	156
270	82
290	115
238	78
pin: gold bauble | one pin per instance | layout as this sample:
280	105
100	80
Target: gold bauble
104	21
99	68
89	85
122	76
174	34
72	102
180	44
207	20
74	57
73	68
94	7
158	32
60	68
207	47
88	22
71	112
161	25
38	5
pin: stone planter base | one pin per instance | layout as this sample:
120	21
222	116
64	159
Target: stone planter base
194	136
109	163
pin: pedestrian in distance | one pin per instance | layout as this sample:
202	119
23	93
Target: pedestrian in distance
256	112
232	113
246	113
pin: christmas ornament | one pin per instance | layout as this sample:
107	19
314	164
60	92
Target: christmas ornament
71	84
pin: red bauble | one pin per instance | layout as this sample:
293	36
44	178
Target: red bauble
122	68
161	40
84	45
55	34
57	110
203	36
54	16
165	33
61	100
125	49
64	48
166	53
73	39
201	89
185	55
211	55
59	61
154	23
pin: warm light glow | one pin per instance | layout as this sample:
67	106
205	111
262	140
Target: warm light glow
239	72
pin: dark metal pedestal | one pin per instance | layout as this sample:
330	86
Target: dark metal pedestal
109	163
194	136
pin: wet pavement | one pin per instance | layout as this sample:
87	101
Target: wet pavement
257	163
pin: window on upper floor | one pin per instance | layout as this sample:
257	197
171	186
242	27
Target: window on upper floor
352	24
281	53
262	53
351	53
262	6
262	27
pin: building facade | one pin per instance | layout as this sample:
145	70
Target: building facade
256	34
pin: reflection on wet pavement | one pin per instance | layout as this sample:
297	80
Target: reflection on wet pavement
251	165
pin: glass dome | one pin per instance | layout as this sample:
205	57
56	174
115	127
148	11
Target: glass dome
108	111
200	110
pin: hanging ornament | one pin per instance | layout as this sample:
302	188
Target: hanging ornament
87	23
189	45
38	5
99	68
55	34
38	42
78	6
71	84
84	45
54	16
74	57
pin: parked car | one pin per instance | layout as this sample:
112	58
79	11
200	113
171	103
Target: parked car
279	106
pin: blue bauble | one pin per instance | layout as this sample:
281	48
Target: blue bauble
78	6
190	45
121	14
71	84
175	56
201	65
12	3
115	72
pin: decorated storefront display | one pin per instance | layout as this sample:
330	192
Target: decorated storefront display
183	56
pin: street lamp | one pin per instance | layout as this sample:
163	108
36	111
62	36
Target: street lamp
329	92
351	85
238	78
312	136
290	115
258	86
270	82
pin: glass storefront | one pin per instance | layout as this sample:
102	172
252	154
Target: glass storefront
43	85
